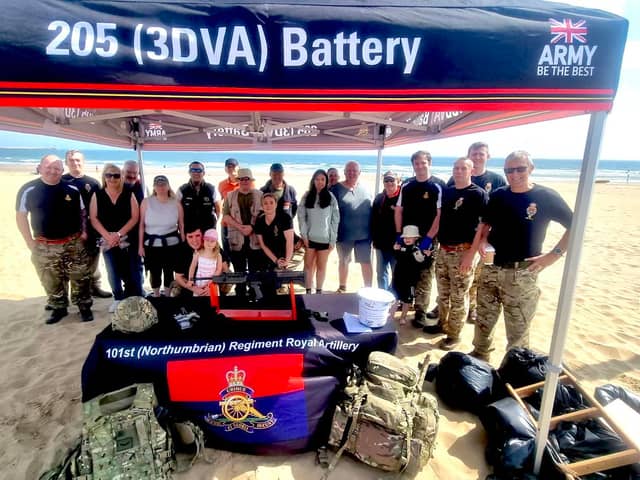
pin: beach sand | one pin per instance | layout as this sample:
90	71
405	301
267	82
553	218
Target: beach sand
41	364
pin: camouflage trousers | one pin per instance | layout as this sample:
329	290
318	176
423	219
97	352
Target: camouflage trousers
61	263
473	291
453	292
514	290
423	287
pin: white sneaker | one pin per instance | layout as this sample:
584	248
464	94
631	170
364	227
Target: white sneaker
113	306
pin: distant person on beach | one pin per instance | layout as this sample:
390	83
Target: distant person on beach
285	194
383	229
462	206
87	186
419	204
334	176
114	213
515	223
354	203
240	211
50	216
227	185
489	181
161	230
200	200
319	218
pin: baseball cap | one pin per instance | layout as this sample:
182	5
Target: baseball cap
211	234
160	179
276	167
245	173
231	161
389	175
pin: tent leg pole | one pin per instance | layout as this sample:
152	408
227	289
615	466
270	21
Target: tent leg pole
140	162
378	171
569	277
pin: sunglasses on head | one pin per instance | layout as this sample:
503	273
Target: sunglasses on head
521	169
196	170
112	175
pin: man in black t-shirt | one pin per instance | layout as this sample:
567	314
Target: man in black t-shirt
462	207
86	185
50	217
515	224
419	204
488	181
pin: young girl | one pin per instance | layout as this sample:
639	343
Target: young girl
410	261
206	263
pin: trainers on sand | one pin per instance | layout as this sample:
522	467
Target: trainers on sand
341	290
113	306
448	343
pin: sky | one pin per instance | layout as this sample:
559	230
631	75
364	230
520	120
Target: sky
556	139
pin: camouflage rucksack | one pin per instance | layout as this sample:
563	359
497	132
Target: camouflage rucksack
133	315
384	419
122	438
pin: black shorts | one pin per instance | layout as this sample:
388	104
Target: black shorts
318	246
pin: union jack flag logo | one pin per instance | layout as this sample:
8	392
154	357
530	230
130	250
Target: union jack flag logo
567	31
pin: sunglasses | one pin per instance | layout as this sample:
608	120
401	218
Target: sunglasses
115	176
521	169
244	179
196	170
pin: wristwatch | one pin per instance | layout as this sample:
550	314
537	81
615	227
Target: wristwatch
558	251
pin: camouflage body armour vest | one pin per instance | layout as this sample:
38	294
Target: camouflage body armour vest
121	438
385	420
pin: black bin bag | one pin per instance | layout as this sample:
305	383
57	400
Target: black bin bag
464	382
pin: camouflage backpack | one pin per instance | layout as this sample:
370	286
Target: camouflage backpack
384	419
133	315
122	438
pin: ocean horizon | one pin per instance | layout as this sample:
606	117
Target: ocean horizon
547	169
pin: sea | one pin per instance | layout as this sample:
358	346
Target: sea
546	169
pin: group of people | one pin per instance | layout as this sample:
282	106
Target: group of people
420	229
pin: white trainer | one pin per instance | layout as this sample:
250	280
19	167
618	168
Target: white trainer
113	306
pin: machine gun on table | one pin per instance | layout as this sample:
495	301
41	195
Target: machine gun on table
255	281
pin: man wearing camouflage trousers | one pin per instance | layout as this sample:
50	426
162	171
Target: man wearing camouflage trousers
58	224
515	223
462	206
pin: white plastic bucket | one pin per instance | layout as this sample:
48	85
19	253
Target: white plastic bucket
373	306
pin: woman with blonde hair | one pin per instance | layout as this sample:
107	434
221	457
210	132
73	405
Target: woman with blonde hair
161	231
113	213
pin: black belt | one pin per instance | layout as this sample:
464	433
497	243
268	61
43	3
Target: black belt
515	265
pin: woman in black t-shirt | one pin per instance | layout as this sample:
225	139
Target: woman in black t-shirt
275	234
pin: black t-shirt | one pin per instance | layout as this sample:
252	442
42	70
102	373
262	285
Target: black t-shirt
420	202
519	221
383	228
488	181
460	214
273	234
55	210
87	186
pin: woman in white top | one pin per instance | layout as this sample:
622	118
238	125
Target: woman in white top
161	231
